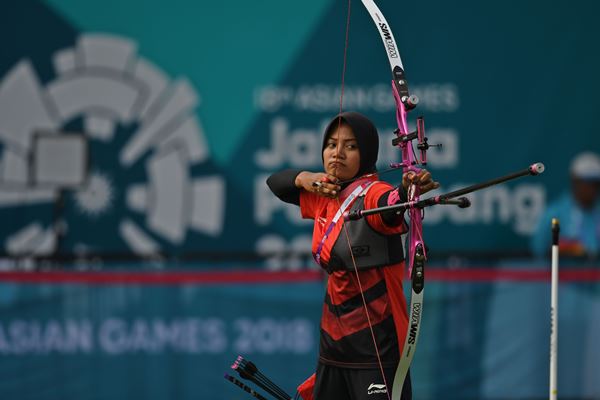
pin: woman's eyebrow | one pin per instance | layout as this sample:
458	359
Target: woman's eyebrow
343	140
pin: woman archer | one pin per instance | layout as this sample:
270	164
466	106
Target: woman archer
350	366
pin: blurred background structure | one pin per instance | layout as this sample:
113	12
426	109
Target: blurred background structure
142	252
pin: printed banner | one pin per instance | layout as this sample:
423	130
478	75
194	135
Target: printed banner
116	142
485	335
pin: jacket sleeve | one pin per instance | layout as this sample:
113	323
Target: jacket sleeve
282	184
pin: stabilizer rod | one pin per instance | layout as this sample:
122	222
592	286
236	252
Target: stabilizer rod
534	169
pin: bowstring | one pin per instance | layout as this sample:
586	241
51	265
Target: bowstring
345	228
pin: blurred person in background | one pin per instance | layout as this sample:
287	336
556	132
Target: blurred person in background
578	211
348	365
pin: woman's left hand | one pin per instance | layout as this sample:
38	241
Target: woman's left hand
422	179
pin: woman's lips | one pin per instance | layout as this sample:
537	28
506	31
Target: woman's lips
336	164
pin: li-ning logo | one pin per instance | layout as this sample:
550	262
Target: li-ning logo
414	323
375	388
389	41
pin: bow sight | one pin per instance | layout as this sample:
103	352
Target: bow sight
422	142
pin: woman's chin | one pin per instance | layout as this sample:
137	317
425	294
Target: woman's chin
341	173
342	177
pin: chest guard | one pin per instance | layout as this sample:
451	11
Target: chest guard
370	248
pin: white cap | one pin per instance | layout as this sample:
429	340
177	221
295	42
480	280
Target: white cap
586	166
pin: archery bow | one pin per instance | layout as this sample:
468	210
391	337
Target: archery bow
416	251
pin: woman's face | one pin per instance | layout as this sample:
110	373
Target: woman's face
341	156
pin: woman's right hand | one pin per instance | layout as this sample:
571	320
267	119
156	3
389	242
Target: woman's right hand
318	182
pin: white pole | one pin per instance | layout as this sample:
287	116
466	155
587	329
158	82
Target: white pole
554	310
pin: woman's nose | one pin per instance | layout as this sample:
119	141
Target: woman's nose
339	152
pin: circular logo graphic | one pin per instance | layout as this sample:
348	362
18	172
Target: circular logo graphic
110	151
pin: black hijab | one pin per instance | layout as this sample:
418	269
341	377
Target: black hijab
366	135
